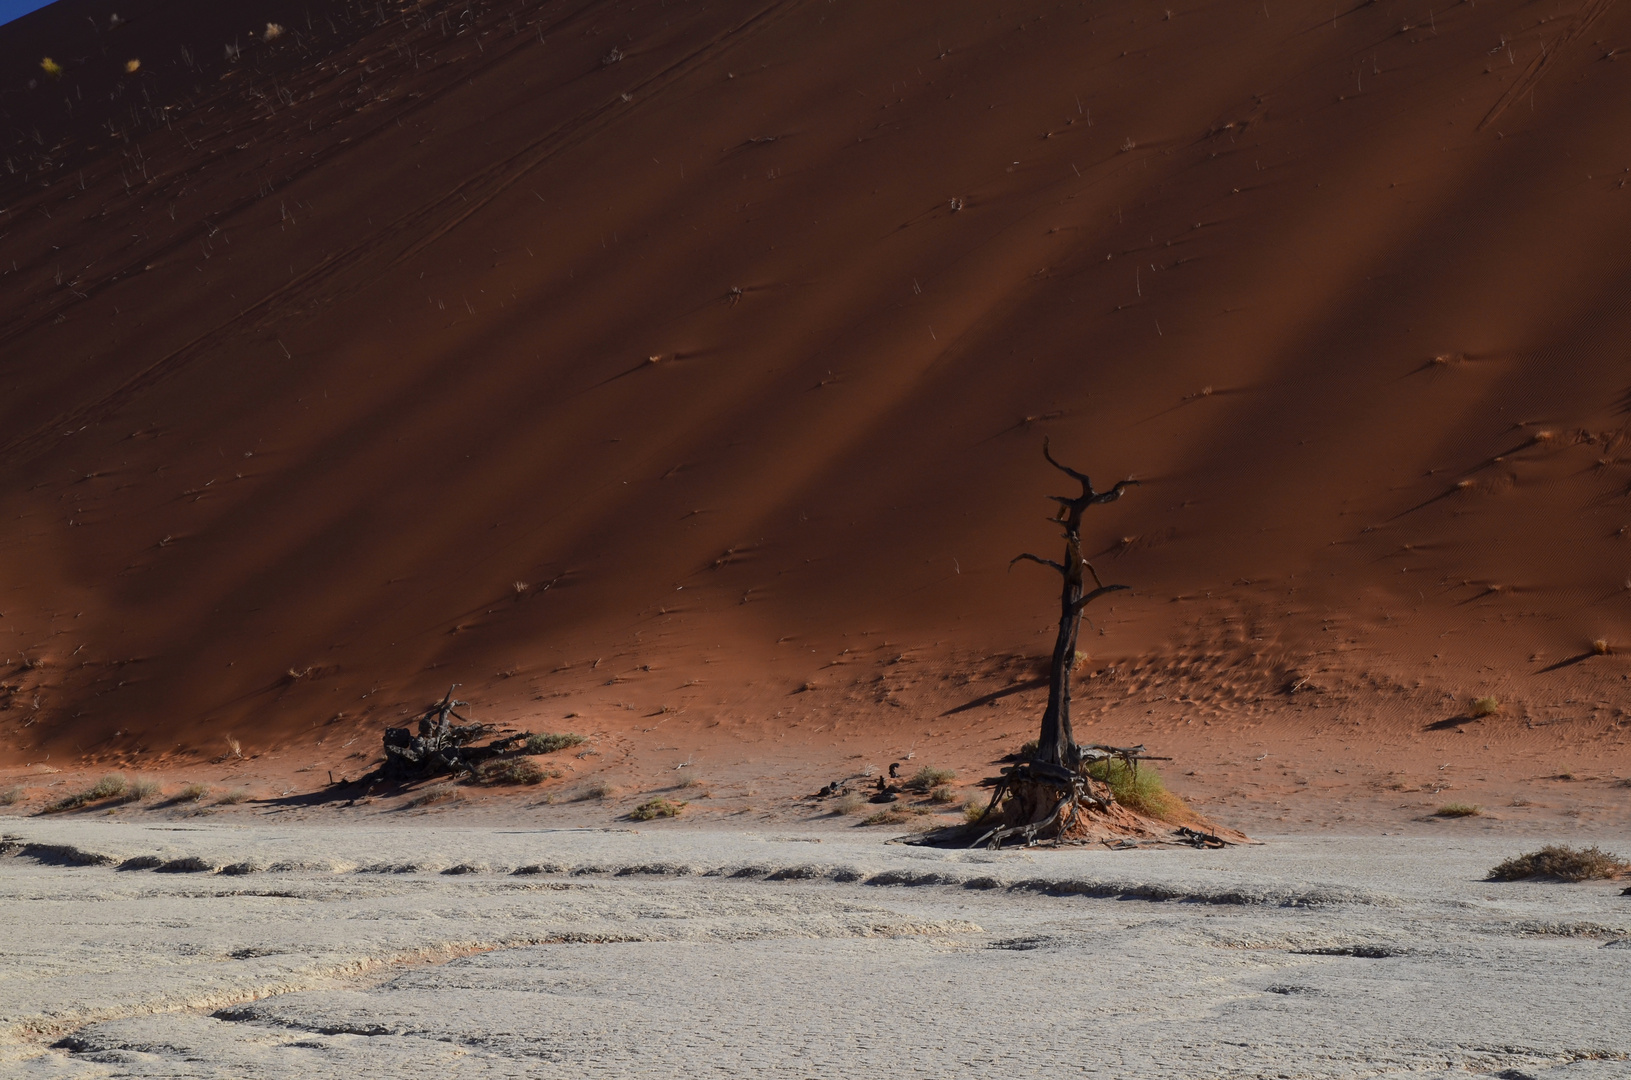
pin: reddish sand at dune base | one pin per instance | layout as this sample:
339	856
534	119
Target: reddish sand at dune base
677	374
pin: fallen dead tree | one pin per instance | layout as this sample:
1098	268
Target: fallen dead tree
441	747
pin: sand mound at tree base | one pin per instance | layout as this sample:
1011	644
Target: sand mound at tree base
1112	825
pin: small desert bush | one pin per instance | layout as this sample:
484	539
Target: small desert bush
548	744
942	795
140	791
974	809
191	793
847	803
927	779
515	770
1458	809
11	796
1027	750
1139	790
436	793
1485	706
1563	863
233	797
110	786
656	808
600	789
889	816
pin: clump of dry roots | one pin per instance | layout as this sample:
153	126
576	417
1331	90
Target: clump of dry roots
1037	801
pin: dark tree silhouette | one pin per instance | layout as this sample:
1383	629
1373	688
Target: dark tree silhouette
1046	792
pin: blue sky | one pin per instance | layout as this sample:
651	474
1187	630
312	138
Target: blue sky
11	9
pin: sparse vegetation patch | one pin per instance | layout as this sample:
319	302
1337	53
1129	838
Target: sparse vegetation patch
656	808
1484	706
549	743
436	793
109	787
1562	863
927	779
1459	809
517	770
140	791
1139	789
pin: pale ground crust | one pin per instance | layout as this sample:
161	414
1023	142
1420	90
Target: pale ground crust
219	948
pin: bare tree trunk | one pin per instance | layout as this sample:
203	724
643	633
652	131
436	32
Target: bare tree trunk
1046	792
1056	745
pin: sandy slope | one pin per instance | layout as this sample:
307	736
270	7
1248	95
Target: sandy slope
684	368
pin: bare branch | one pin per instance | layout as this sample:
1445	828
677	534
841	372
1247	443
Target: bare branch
1094	572
1114	493
1095	594
1036	559
1066	469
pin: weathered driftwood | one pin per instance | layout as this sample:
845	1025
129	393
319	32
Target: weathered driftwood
441	748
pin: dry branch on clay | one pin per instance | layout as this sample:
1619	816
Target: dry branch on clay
442	748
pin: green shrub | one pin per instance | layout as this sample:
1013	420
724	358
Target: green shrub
1563	863
1139	790
548	744
656	808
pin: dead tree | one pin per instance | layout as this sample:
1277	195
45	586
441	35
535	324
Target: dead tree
1046	792
442	748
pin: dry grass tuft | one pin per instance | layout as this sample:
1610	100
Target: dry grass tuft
1140	790
140	791
942	795
548	744
192	793
927	779
13	795
1485	706
974	809
847	803
1601	647
1459	809
1563	863
515	770
437	793
889	816
109	787
656	808
233	797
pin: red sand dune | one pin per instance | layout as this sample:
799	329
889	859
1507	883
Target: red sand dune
653	361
